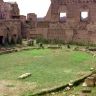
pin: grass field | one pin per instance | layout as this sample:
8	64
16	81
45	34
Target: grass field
48	67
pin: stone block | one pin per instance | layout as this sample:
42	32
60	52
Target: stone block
94	76
90	81
86	90
23	76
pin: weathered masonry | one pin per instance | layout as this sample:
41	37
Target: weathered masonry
66	20
10	25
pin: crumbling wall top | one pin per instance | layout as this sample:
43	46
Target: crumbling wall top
72	1
32	17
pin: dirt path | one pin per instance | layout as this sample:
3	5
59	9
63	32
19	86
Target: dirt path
15	88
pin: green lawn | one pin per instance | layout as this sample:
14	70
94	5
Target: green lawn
49	68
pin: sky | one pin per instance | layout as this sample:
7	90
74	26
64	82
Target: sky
40	7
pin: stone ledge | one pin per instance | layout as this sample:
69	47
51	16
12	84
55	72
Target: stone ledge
62	87
16	50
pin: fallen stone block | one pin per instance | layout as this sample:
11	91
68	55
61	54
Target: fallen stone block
82	94
91	69
53	93
94	76
70	84
23	76
92	49
86	90
67	88
84	84
90	81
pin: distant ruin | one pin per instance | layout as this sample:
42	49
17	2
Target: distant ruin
63	22
10	25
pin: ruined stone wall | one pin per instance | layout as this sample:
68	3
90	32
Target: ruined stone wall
10	27
71	28
42	28
10	31
8	10
74	28
15	11
22	18
30	26
23	25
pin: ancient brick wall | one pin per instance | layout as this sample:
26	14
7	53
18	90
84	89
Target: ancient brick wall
15	11
9	10
73	28
69	28
30	26
10	30
63	21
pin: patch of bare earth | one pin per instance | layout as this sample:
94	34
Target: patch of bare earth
15	88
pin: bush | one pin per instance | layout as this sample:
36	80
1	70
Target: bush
41	46
42	40
56	41
68	46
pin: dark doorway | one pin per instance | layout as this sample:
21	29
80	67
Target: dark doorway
14	40
1	38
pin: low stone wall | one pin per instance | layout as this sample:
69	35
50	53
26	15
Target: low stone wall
62	87
16	50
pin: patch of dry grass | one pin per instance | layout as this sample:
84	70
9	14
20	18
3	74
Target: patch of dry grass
15	88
